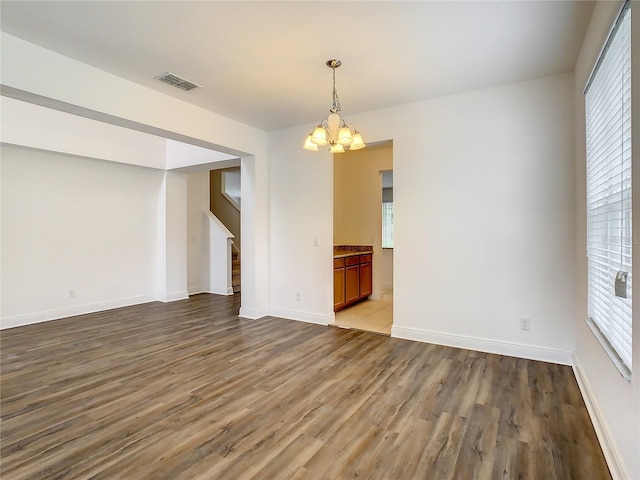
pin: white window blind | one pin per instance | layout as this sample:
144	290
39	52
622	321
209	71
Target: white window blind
387	225
609	234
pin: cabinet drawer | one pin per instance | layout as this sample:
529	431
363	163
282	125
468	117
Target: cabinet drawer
365	258
354	260
338	262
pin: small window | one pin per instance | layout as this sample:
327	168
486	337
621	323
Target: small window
387	225
387	209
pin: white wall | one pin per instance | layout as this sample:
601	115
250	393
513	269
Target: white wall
197	232
254	227
181	155
172	238
614	403
219	240
301	201
72	223
484	218
114	100
357	203
34	126
26	67
386	269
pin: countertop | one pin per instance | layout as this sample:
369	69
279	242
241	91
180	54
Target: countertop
341	251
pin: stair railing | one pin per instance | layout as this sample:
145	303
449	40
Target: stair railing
220	245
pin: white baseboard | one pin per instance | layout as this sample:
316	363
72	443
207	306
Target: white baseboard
195	290
303	316
172	297
530	352
220	290
37	317
253	313
611	455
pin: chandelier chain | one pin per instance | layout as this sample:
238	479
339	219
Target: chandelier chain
335	107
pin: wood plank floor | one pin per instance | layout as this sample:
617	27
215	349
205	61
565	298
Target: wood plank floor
187	390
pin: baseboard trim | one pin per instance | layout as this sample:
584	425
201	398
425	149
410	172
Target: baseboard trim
300	316
173	297
611	455
195	290
530	352
253	313
46	316
220	290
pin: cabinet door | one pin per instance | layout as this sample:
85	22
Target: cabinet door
338	289
352	283
365	280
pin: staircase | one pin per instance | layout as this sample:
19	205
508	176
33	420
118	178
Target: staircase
235	270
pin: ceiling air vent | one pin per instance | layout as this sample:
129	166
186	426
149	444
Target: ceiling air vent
176	81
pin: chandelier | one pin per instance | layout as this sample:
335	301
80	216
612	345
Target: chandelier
334	131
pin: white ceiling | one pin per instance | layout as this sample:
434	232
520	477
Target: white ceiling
263	63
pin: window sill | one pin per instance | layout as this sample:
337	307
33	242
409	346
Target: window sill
611	353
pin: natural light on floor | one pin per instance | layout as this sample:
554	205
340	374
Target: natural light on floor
371	315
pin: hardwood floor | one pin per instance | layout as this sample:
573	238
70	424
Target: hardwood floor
187	390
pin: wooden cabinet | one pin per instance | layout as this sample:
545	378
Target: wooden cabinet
352	284
338	284
352	279
366	288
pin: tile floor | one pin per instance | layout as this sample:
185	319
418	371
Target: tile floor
370	315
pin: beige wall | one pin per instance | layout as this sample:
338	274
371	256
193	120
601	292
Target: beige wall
357	204
222	208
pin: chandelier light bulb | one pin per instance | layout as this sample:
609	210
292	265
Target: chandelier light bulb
337	148
309	145
356	142
319	136
344	137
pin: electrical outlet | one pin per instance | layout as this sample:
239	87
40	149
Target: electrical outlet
298	296
525	323
72	293
316	243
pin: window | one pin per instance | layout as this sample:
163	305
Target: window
387	225
609	235
387	208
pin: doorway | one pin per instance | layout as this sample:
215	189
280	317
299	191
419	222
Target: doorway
225	204
363	222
